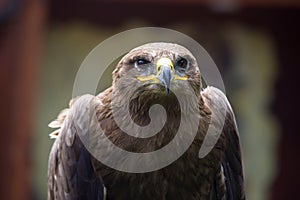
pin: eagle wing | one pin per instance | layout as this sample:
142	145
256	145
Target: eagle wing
70	172
231	172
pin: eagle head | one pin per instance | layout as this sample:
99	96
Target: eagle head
158	68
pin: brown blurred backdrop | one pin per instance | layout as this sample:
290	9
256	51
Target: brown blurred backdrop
254	43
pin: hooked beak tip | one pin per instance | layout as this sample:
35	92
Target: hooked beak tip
168	91
166	77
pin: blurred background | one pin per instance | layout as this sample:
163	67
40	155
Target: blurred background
254	43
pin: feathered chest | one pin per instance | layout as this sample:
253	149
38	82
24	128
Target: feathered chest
188	177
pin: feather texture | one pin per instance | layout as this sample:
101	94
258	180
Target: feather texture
73	173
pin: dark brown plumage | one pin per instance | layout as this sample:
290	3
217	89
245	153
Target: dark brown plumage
74	174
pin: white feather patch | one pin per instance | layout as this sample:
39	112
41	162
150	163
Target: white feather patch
54	134
54	124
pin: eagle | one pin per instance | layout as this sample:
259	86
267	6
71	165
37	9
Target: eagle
151	74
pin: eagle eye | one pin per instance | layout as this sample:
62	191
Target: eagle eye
141	61
181	65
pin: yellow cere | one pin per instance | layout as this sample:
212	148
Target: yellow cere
164	62
168	62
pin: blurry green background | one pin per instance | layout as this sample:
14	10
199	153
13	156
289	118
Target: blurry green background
244	39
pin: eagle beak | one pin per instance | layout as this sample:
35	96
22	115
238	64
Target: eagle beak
165	69
164	75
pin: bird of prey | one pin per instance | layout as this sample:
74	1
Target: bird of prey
157	70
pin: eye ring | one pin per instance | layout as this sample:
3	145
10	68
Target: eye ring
182	63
